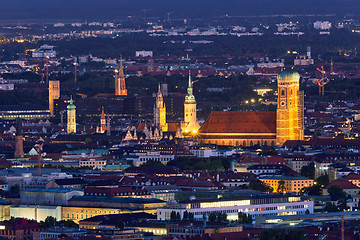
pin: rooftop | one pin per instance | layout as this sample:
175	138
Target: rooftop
343	183
240	122
116	199
50	190
286	178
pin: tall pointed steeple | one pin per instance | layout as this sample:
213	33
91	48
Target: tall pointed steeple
160	111
102	121
120	86
190	123
190	94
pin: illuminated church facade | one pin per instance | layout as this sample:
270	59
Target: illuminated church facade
190	124
249	128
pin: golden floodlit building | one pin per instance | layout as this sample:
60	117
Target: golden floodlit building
249	128
292	184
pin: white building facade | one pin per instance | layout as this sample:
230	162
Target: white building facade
277	206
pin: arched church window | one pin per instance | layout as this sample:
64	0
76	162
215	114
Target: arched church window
258	143
283	92
265	143
244	143
291	92
251	143
272	143
237	143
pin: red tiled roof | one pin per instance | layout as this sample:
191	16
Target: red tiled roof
141	126
253	160
352	176
193	183
172	127
240	122
276	160
343	183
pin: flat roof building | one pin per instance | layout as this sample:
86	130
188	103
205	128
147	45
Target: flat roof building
255	205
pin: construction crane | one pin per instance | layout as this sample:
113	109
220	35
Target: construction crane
321	83
145	10
82	95
343	92
169	13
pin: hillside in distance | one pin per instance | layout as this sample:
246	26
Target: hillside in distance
112	9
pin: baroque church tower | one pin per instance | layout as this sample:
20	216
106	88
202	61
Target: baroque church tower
103	124
120	86
190	123
160	112
290	108
71	117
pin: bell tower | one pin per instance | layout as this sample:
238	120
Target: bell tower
54	93
190	123
160	111
71	117
120	86
290	108
102	122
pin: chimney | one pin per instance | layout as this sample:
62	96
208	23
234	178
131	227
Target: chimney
19	145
